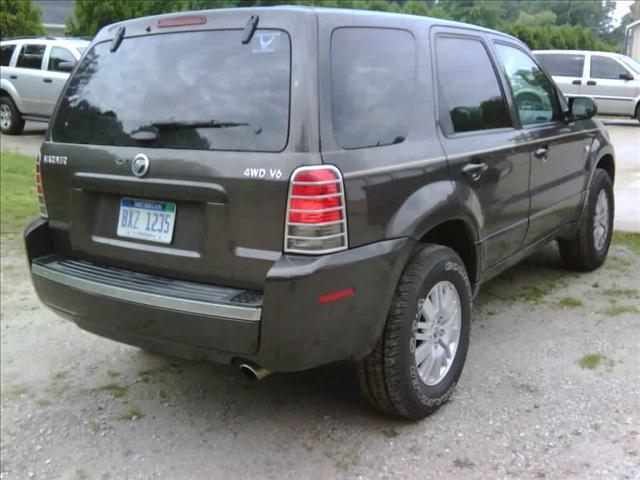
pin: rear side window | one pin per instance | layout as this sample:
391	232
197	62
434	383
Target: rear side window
606	68
200	90
31	56
57	56
469	92
6	51
372	82
562	65
535	96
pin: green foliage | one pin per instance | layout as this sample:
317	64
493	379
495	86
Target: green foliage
542	24
19	17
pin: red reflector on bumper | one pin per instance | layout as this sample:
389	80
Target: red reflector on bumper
332	297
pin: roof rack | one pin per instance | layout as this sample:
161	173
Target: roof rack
47	37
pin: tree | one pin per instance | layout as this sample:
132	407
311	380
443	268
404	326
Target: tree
92	15
19	17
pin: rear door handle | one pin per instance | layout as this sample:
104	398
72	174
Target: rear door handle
13	77
47	80
591	82
577	82
542	153
474	169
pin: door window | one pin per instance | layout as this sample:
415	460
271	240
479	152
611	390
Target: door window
470	97
535	96
606	68
57	56
372	78
563	65
31	56
6	51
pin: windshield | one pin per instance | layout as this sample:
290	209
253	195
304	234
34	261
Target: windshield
631	63
197	90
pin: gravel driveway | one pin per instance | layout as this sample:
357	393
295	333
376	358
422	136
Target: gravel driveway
551	389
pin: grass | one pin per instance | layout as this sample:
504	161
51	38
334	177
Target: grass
591	361
628	239
464	463
116	391
615	310
570	302
132	414
18	201
622	292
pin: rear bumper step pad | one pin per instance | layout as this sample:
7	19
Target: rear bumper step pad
144	289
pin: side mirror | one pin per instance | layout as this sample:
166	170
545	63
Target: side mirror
66	66
582	108
626	76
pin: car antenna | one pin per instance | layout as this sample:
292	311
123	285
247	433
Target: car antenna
250	28
117	39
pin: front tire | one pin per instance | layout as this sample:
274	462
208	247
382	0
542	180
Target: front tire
588	248
11	121
417	361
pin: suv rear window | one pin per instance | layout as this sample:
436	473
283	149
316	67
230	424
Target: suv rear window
563	65
200	90
372	81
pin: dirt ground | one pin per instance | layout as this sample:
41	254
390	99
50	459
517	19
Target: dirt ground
551	389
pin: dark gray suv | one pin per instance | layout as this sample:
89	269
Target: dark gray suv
280	188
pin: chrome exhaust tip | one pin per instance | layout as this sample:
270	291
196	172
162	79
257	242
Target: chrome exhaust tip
253	372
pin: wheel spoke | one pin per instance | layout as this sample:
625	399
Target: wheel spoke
429	310
445	347
422	336
423	351
425	368
434	371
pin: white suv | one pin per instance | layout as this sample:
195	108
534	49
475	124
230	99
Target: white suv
33	72
611	79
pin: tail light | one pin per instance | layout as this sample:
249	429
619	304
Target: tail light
316	211
40	189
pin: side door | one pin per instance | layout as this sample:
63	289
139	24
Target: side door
479	138
559	149
566	68
611	85
56	76
29	77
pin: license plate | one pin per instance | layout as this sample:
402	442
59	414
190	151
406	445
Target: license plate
146	220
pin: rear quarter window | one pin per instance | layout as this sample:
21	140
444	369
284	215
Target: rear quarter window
372	85
6	51
564	65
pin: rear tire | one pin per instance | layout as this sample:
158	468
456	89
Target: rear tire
395	378
11	121
588	248
637	117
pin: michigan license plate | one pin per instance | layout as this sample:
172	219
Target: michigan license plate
146	220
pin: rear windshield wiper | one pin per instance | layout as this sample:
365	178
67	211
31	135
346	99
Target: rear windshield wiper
190	125
149	133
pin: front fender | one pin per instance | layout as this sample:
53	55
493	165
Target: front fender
7	86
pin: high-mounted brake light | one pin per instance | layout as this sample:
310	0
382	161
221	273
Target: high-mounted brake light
40	189
316	211
183	21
